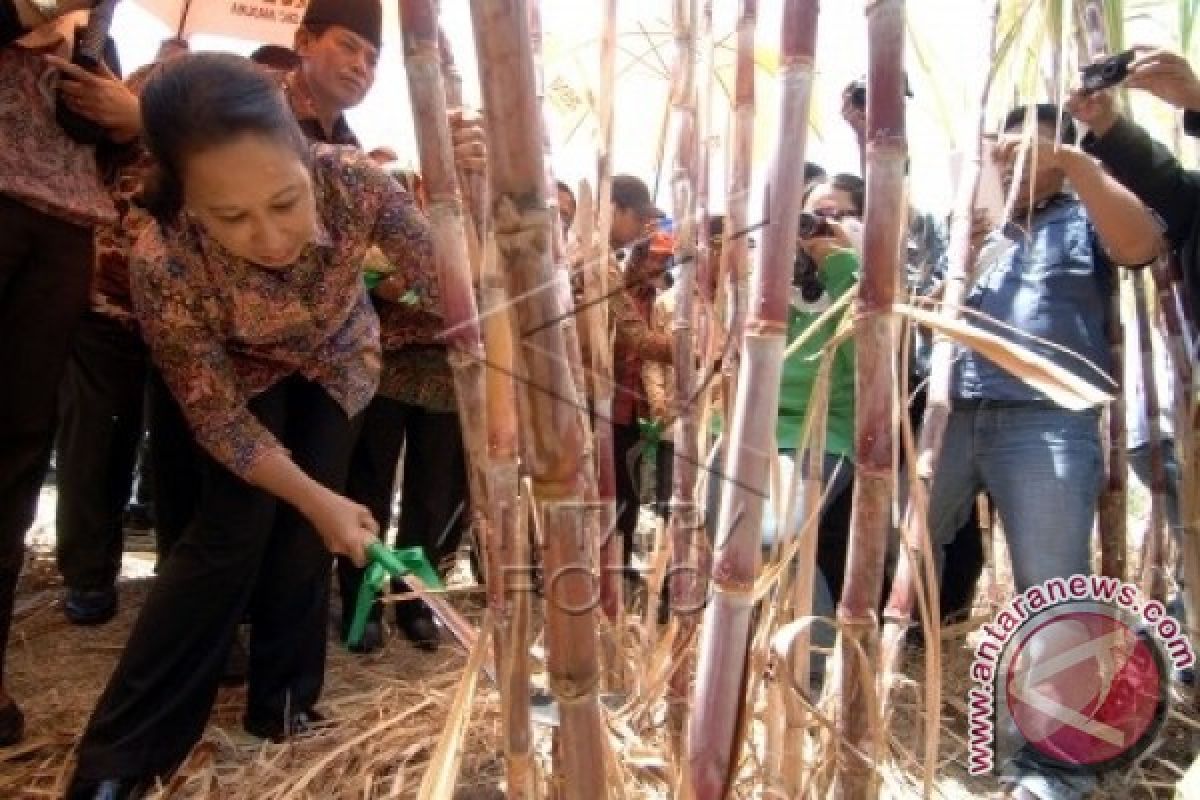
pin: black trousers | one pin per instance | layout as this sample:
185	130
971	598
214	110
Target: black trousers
100	427
174	464
45	271
664	469
246	551
433	511
627	458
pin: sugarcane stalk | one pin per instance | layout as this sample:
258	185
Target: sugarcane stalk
445	211
473	185
1114	500
681	528
915	577
874	390
1154	583
596	289
509	564
719	713
735	252
524	228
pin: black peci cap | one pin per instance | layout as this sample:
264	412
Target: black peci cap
363	17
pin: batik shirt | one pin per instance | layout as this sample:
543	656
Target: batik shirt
223	330
40	166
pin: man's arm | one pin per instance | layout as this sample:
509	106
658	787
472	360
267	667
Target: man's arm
1139	163
1128	231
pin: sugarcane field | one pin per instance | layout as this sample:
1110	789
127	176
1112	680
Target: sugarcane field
581	399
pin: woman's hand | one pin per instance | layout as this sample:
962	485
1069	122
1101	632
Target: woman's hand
470	141
344	526
101	97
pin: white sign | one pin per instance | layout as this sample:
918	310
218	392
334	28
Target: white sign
267	21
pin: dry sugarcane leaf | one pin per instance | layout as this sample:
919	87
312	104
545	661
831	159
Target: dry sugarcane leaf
442	775
1065	389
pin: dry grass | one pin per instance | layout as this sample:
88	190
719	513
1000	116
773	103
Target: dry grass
387	711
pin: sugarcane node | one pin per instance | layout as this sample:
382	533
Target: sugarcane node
569	691
730	586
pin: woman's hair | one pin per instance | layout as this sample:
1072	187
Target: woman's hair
843	182
198	102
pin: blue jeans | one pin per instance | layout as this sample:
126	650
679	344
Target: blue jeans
1042	467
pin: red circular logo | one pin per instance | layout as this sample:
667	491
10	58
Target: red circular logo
1084	688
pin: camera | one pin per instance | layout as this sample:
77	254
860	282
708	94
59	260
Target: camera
1107	73
812	225
806	278
858	95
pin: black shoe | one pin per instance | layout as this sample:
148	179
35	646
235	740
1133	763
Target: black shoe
237	663
420	629
277	729
107	789
84	607
12	725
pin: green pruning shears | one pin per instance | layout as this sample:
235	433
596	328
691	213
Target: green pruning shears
651	431
384	562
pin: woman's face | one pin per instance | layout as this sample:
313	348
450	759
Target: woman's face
826	201
254	195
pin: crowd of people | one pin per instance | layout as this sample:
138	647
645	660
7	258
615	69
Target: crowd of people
230	295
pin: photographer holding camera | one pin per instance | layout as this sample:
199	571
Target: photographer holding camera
1044	281
1142	164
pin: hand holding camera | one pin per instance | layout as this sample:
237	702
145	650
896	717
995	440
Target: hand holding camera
818	236
1166	75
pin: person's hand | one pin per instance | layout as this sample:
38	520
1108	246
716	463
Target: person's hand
981	226
392	289
34	12
470	141
344	526
1096	110
1039	153
1166	75
855	117
100	97
819	248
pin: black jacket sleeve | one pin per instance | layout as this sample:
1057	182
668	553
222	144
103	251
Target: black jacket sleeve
1152	173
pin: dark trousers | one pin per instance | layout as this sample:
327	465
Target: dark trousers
246	550
664	469
174	462
100	426
627	457
45	270
433	510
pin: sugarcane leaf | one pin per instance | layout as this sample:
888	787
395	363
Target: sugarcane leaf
442	775
1033	369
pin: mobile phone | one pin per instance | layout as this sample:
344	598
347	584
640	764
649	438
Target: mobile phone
86	53
1107	73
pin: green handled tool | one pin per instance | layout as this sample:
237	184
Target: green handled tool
385	562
